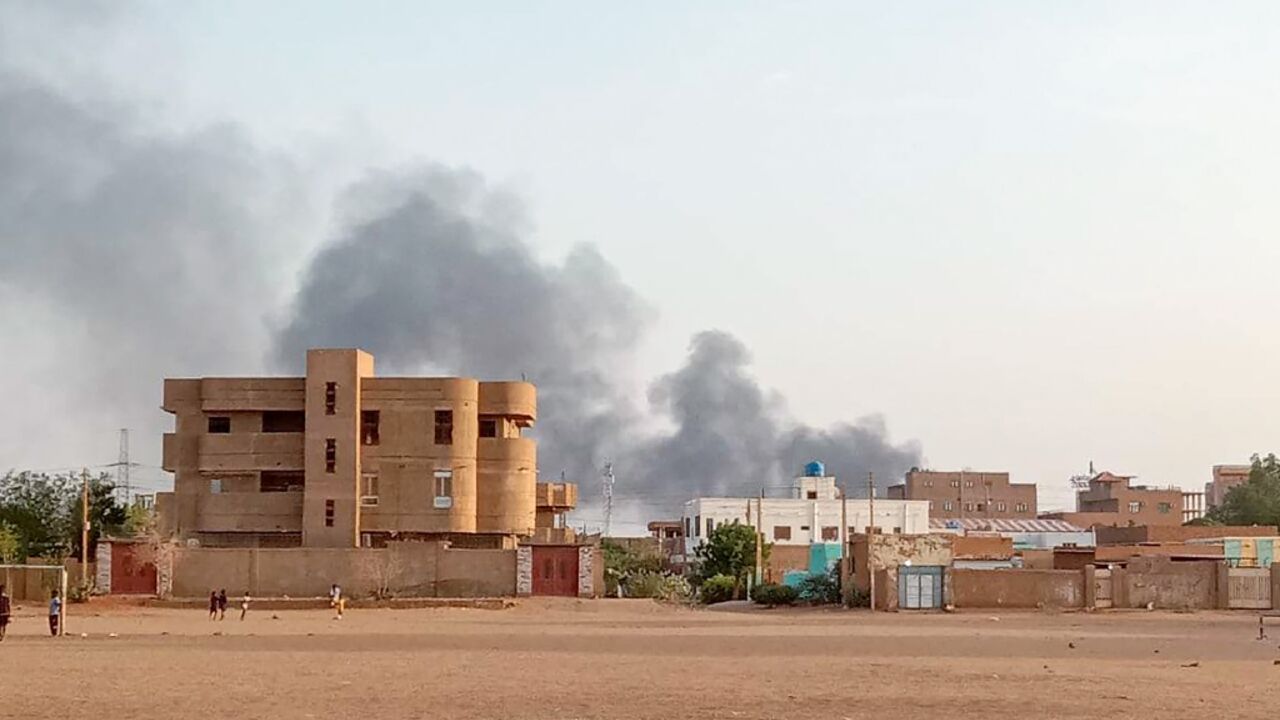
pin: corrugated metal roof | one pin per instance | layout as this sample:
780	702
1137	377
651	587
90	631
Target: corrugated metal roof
1010	525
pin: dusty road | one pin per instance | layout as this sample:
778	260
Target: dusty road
635	659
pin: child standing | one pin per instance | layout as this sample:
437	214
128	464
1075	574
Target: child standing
55	613
222	604
244	605
213	605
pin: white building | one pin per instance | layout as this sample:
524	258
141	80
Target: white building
811	515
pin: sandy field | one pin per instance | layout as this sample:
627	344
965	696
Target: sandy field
636	659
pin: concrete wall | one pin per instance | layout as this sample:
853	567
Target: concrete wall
982	547
413	569
1179	533
1017	588
1166	584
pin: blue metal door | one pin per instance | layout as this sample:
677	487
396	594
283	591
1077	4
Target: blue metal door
919	587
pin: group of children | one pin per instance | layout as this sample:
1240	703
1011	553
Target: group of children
6	612
218	605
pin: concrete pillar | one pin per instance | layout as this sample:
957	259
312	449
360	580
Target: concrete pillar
1090	587
1275	585
1120	587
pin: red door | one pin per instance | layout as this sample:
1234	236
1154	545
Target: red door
555	571
129	574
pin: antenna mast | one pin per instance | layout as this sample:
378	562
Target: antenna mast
608	498
122	466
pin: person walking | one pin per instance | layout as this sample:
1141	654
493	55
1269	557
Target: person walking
244	605
213	605
5	608
222	604
55	613
336	601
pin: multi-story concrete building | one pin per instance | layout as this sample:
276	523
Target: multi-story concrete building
1110	499
342	458
1225	477
968	494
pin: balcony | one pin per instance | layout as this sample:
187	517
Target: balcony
509	399
557	497
251	451
250	512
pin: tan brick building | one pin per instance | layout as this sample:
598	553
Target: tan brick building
342	458
968	494
1111	499
1225	477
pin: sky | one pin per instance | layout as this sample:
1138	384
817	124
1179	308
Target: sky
1028	235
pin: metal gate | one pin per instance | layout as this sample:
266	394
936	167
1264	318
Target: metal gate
130	573
555	570
1102	588
1249	588
919	588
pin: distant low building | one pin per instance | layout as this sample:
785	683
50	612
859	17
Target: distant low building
1110	499
1225	477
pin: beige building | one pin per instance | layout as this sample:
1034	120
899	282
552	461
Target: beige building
966	494
1225	477
342	458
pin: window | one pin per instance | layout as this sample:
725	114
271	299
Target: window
444	427
781	532
928	483
444	489
932	505
968	483
215	486
813	495
328	513
697	525
278	421
1135	507
1164	508
369	427
330	454
955	483
330	398
219	424
804	528
369	489
711	526
489	428
981	507
1000	507
1020	507
946	505
831	533
968	507
280	481
687	532
897	531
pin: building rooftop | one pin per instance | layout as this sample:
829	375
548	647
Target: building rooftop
1004	525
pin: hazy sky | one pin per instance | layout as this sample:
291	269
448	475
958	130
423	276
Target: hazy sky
1030	234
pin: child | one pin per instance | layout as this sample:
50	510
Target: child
336	601
55	613
244	605
222	604
4	611
213	605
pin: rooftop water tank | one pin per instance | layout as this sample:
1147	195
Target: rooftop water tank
815	469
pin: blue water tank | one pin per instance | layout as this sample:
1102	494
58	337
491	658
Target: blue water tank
815	469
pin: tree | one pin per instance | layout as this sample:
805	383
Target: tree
106	516
34	505
1257	502
730	550
10	544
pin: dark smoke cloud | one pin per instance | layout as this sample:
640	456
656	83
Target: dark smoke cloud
430	274
732	438
142	254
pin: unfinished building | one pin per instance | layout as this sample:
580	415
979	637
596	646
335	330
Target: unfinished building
342	458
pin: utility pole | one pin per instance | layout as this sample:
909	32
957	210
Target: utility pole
759	538
844	535
871	529
122	470
84	532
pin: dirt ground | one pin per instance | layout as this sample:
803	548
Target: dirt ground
636	659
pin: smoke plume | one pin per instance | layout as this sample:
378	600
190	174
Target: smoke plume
131	254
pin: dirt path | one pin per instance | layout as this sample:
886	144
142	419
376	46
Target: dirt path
634	659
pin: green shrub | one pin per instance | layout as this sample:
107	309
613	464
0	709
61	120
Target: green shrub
771	594
853	597
717	589
821	589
